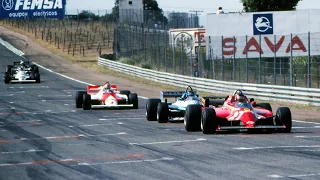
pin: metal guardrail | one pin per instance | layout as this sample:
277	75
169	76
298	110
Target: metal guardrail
307	96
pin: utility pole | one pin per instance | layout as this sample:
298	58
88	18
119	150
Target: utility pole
197	18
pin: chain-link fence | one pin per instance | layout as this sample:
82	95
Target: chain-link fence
289	65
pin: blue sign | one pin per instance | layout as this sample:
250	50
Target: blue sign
32	8
262	24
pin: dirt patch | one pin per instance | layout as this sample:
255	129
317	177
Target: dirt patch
89	72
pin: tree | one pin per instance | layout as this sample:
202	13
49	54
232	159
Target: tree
115	9
151	9
87	15
271	5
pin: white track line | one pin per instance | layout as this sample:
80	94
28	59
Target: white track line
111	119
293	176
307	136
275	147
28	151
125	162
306	122
93	125
169	142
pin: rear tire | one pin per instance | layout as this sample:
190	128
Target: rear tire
9	68
86	102
79	98
192	118
283	117
37	77
208	121
267	106
162	112
35	68
151	109
126	92
133	99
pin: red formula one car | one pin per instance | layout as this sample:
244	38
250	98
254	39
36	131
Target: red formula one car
236	112
106	96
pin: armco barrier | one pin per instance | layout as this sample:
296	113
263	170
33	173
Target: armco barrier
264	92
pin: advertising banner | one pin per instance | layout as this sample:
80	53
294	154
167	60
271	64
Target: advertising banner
188	39
265	34
32	8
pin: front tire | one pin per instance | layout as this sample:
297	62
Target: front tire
6	77
162	112
192	118
208	121
283	117
79	98
151	109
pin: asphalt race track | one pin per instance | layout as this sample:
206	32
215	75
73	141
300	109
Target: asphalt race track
43	136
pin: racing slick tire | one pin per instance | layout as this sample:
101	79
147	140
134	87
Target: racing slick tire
35	68
151	109
192	118
283	117
126	92
86	102
208	121
133	99
162	112
37	77
8	68
79	98
267	106
6	77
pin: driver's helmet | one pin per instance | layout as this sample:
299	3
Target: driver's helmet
187	94
22	63
240	97
106	86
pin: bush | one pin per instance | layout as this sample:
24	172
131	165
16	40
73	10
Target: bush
107	56
127	61
146	66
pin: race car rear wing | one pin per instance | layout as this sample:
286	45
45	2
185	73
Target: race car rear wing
170	94
17	63
93	89
212	100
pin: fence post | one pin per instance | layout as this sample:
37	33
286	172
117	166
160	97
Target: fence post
259	71
222	59
309	61
234	59
291	62
275	60
73	51
247	72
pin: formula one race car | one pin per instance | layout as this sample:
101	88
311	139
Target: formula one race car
106	96
237	113
163	111
21	72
